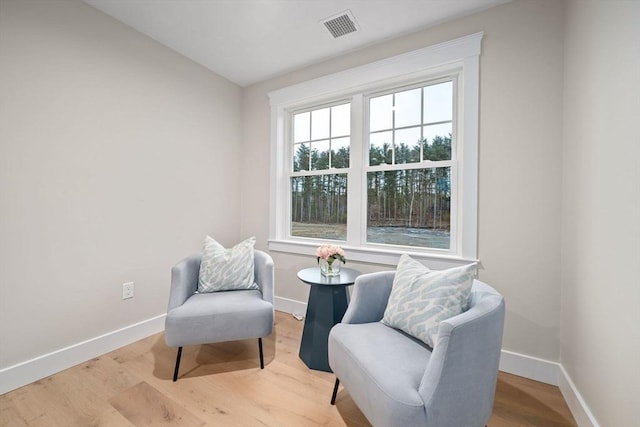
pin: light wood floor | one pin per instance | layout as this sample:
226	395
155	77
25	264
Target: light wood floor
222	385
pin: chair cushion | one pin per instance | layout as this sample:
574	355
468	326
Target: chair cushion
381	368
219	316
224	269
421	298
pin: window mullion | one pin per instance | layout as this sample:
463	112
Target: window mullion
426	164
356	181
393	128
330	139
421	124
310	140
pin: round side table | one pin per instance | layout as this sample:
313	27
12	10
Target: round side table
328	300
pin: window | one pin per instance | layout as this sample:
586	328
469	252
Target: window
409	174
381	158
321	140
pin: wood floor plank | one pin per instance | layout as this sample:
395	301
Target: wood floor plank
299	409
111	418
102	376
207	396
222	385
144	406
59	401
22	408
9	414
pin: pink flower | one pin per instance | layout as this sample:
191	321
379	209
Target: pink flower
328	251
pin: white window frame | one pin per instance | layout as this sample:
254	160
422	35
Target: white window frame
459	57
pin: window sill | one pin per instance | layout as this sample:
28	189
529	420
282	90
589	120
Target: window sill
371	255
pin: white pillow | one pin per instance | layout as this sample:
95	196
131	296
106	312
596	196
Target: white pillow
421	298
226	269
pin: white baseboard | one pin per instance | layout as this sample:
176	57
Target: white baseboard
577	405
43	366
290	306
530	367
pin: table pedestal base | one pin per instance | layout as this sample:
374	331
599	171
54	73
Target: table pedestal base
325	308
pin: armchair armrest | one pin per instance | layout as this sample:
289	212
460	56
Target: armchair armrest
369	298
465	360
263	274
184	280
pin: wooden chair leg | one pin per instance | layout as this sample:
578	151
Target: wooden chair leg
335	391
261	355
177	368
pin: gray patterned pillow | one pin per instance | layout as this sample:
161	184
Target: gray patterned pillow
421	298
226	269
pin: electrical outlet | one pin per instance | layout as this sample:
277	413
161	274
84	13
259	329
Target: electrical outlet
127	290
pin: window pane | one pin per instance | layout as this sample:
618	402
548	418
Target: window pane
409	207
301	127
380	113
319	206
407	108
340	152
320	155
407	145
437	142
380	148
301	157
438	103
341	120
320	124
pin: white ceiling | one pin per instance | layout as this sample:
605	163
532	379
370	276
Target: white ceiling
247	41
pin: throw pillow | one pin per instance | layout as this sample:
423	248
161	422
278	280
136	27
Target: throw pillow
421	298
224	269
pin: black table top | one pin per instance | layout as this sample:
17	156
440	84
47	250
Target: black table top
312	276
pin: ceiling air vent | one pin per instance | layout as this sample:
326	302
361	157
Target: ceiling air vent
341	24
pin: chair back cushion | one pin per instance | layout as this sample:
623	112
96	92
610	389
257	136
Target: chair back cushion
224	269
421	298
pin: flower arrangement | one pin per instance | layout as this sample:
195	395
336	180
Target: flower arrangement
330	253
327	255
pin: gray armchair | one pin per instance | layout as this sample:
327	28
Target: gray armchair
201	318
397	380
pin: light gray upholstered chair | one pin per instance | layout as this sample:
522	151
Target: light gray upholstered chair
202	318
397	380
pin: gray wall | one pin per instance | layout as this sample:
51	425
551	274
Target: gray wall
117	156
520	156
600	319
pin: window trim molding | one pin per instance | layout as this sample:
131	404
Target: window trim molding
464	53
